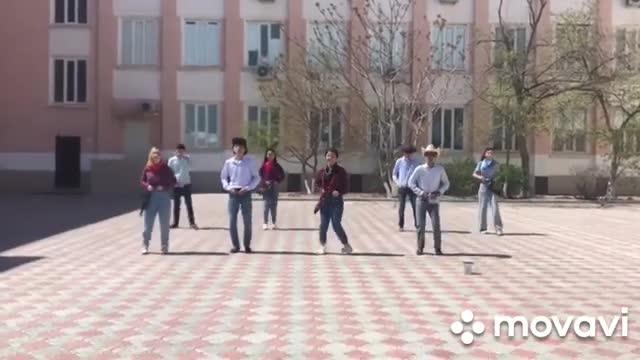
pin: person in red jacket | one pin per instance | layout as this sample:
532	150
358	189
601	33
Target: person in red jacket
271	174
333	182
158	181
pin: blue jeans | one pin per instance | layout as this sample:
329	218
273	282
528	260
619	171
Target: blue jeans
331	212
160	205
240	203
270	197
424	208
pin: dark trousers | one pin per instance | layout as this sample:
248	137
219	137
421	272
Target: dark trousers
178	193
241	203
270	197
331	212
424	208
403	194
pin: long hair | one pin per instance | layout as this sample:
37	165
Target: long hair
149	160
485	152
275	156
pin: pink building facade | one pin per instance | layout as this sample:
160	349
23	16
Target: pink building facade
88	86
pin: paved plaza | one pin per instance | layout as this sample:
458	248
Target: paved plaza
74	285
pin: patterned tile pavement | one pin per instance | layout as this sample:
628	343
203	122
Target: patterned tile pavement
88	294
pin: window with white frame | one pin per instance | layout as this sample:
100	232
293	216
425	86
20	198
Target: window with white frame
263	125
325	128
389	46
628	49
504	138
201	43
69	81
327	45
388	131
516	37
447	128
264	43
571	39
201	126
449	44
70	12
140	41
570	130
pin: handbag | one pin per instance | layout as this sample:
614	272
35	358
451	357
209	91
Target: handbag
145	199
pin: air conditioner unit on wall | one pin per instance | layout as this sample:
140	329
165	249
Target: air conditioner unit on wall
449	1
634	3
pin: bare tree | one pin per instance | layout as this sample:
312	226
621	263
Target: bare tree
393	77
531	68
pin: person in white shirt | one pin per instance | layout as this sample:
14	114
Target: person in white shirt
404	167
429	182
181	166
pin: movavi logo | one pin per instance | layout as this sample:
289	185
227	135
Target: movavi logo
543	326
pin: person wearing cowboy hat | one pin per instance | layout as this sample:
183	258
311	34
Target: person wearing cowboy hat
429	182
402	170
239	178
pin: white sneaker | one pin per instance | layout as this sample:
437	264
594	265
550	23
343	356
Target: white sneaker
274	226
347	249
265	227
484	232
322	250
499	232
145	250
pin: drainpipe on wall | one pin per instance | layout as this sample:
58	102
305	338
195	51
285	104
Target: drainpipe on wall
96	53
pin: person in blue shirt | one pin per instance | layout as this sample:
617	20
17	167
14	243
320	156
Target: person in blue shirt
181	166
239	178
486	171
404	167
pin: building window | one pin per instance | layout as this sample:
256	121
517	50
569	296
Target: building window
140	41
327	45
569	133
504	138
517	39
449	44
388	133
264	43
630	141
201	43
69	81
570	41
326	128
70	12
201	126
447	128
628	49
264	125
388	47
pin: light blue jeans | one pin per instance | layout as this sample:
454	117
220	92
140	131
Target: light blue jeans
486	199
160	205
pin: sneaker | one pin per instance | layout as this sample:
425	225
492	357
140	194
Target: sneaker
274	226
484	232
265	227
419	252
234	250
499	232
438	252
322	250
194	226
145	250
174	226
400	229
165	251
347	249
248	250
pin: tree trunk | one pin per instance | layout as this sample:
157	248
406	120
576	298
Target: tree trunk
525	163
613	174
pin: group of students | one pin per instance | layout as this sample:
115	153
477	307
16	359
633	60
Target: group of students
423	183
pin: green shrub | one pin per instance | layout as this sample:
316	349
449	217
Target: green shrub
460	173
513	176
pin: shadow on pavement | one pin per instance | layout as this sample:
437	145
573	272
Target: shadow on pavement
29	218
297	229
196	253
498	256
10	262
307	253
213	228
524	234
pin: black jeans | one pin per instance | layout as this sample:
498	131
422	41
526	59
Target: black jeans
403	194
178	193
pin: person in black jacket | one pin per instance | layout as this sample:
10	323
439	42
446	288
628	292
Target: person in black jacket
271	174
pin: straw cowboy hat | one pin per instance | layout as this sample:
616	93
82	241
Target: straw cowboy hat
431	149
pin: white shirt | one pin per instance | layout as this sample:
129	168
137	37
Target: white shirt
181	166
425	180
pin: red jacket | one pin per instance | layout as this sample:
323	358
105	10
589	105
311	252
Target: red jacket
339	181
276	173
163	176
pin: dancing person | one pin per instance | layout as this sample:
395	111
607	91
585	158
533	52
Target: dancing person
272	175
158	180
239	178
486	171
429	182
333	182
180	163
402	170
